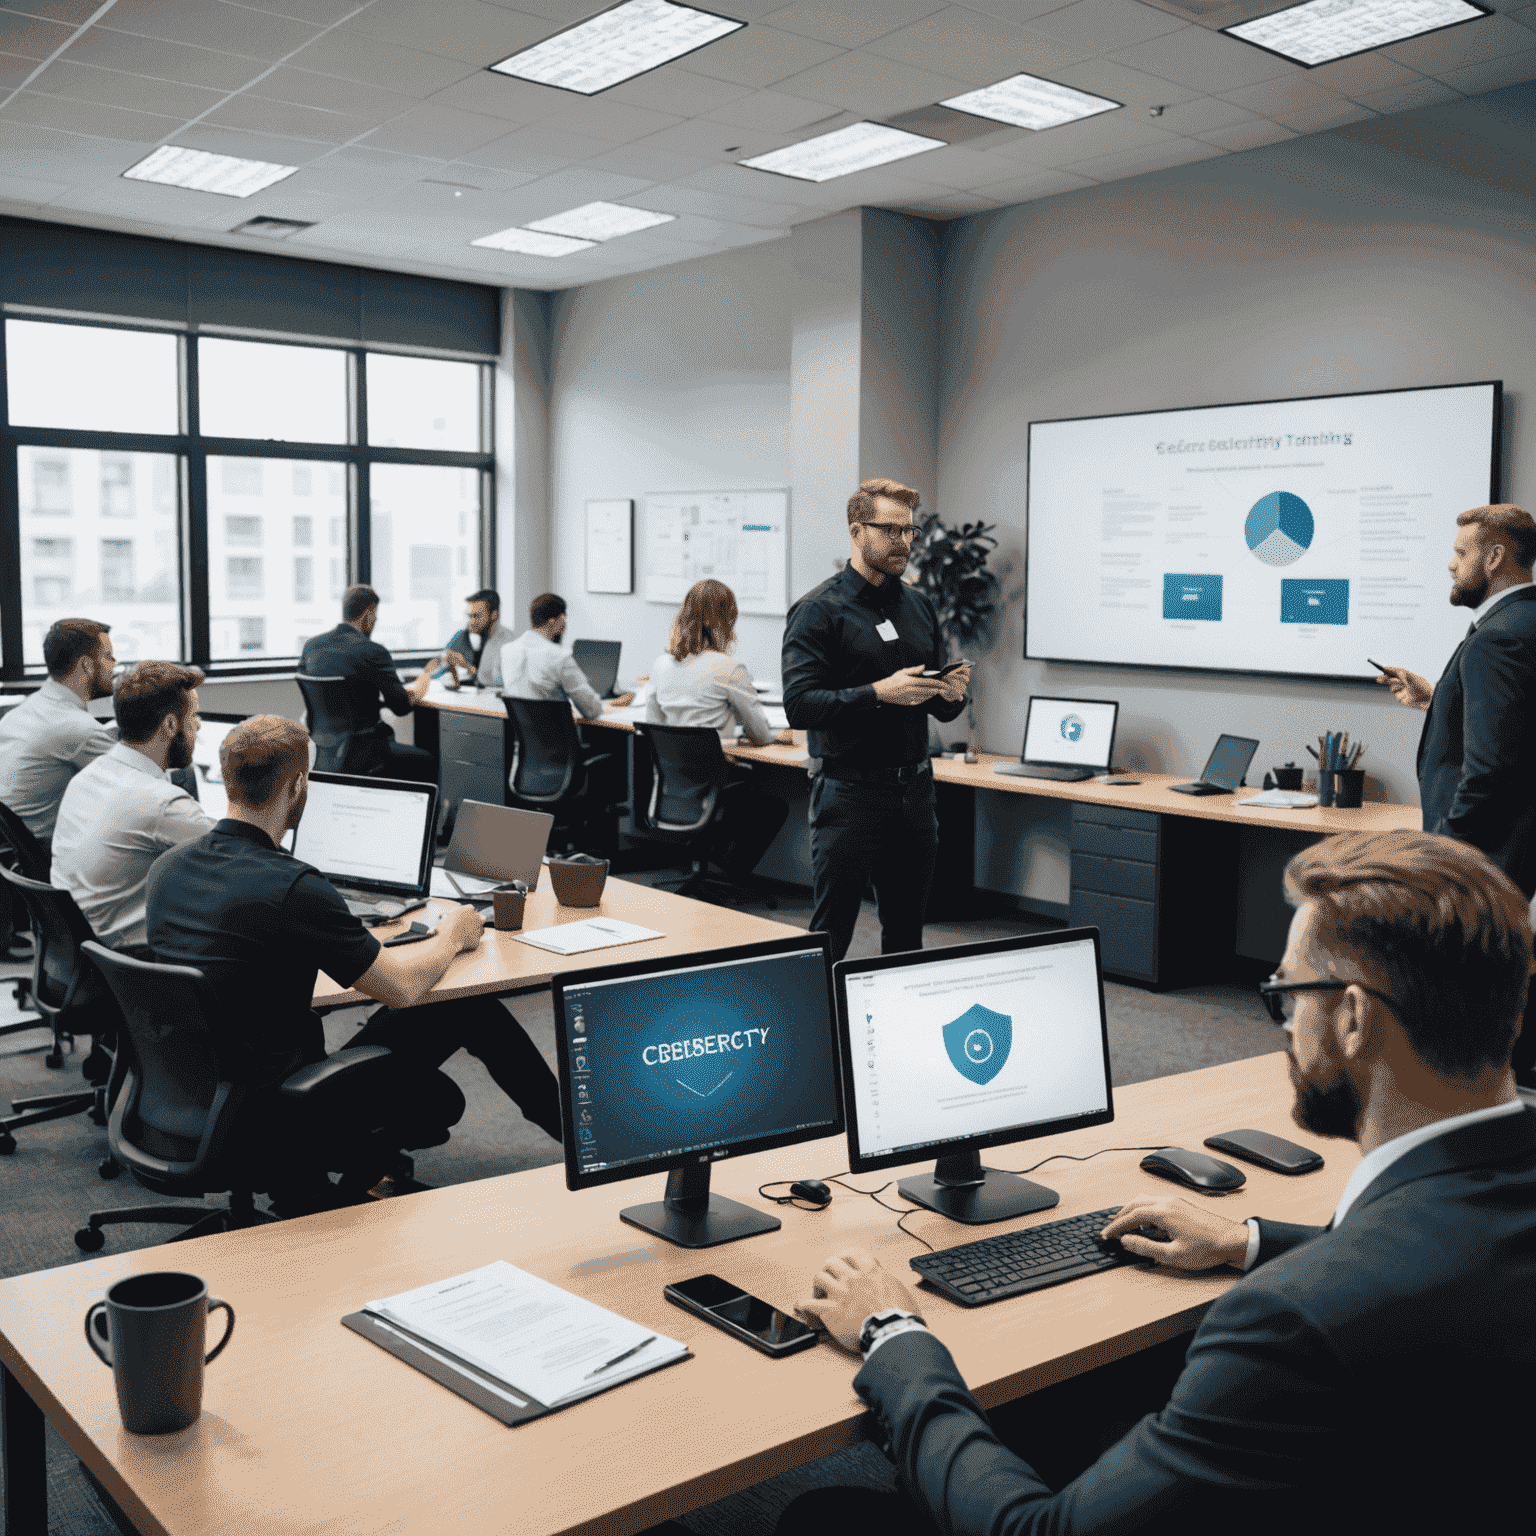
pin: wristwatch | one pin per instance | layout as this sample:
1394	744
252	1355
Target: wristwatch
878	1320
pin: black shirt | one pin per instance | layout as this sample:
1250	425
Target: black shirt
347	652
833	656
259	924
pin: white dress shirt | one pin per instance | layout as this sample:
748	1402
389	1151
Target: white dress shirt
1493	602
1379	1159
711	689
44	742
534	667
118	815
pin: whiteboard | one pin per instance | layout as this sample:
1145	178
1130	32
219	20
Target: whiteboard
738	537
611	546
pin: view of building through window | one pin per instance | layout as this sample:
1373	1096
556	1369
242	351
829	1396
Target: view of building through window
426	536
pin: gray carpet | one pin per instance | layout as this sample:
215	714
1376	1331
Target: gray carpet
49	1185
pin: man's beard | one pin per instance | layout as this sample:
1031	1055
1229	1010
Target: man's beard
100	690
1469	593
1331	1111
179	753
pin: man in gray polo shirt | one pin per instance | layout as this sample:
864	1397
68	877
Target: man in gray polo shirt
47	739
121	812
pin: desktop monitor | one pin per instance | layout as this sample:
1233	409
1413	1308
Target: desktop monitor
947	1051
599	659
1070	733
369	835
667	1066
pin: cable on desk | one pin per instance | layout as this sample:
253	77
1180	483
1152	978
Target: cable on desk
1073	1158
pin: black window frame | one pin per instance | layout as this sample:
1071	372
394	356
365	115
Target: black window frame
192	450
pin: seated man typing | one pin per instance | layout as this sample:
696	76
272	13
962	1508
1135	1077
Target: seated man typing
1354	1379
261	925
476	649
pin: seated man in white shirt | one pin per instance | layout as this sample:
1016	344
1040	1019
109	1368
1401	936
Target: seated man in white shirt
49	737
536	666
121	812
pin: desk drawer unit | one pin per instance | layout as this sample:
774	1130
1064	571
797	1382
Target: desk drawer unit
472	758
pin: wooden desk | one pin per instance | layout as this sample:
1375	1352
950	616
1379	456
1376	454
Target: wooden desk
502	965
308	1428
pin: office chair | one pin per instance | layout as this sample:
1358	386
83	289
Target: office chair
687	790
176	1121
343	743
71	998
552	771
20	851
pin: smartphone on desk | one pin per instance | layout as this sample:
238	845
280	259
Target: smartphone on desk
742	1316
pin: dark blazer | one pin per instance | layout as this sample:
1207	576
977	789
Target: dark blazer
1372	1378
370	671
1477	751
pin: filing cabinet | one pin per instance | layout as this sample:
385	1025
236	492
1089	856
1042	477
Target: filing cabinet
472	759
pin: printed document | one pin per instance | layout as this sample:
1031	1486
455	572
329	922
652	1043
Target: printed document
594	933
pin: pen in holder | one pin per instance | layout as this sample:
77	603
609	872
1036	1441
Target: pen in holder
1339	781
1327	785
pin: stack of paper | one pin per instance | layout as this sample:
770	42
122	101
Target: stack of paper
1279	800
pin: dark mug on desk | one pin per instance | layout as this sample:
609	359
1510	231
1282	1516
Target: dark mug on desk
152	1330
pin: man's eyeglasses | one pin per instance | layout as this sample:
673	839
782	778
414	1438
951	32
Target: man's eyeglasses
905	532
1282	1007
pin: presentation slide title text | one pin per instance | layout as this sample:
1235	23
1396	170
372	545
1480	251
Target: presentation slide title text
1248	444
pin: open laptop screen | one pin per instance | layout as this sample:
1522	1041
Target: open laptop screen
1077	733
1229	761
370	834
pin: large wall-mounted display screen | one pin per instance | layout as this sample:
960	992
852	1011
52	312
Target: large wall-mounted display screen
1295	537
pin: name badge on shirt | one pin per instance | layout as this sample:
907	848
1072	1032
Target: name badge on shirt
886	630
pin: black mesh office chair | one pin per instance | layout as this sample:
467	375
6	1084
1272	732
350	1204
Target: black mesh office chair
687	790
72	999
552	771
20	851
177	1122
344	743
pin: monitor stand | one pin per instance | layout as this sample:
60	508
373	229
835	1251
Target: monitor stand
691	1217
960	1188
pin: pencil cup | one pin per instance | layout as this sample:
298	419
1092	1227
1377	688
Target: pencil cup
508	909
152	1330
1327	785
1350	792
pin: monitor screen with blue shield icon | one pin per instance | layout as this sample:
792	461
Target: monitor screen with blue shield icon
1076	733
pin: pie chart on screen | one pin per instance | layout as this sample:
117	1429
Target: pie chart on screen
1279	528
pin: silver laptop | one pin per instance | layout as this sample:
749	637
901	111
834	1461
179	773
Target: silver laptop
492	844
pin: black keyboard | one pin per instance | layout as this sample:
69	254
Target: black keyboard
1015	1262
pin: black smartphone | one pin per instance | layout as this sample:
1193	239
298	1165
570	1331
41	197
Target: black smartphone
954	666
745	1317
1266	1150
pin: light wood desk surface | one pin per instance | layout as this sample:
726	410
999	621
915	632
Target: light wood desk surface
503	964
308	1428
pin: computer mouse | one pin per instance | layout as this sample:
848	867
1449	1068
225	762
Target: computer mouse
1207	1174
813	1191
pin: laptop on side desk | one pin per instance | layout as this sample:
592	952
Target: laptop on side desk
1224	769
492	845
1065	739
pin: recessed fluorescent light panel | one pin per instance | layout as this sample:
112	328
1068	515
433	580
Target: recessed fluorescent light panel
1027	101
841	153
527	242
203	172
601	221
617	45
1324	30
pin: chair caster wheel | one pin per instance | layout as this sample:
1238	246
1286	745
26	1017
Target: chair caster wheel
109	1169
7	1144
54	1059
90	1239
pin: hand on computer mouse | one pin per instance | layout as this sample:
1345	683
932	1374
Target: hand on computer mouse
464	926
1198	1238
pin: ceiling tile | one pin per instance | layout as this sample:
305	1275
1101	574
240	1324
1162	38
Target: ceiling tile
31	37
851	23
1130	87
14	70
758	56
321	13
1250	135
1403	98
536	148
288	120
71	13
959	168
1365	72
1102	26
1511	70
517	101
611	120
1042	183
709	140
163	61
23	189
355	171
174	206
722	205
89	117
354	56
1198	118
647	163
455	29
1108	133
760	186
673	89
1205	61
772	112
1474	42
974	48
306	89
873	87
212	24
1015	11
439	131
250	146
1297	103
111	87
1136	162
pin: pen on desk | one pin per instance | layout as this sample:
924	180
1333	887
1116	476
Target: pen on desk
609	1365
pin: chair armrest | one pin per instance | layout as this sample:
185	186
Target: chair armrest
345	1063
601	757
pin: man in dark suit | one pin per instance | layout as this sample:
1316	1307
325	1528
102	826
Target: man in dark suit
1477	751
1362	1376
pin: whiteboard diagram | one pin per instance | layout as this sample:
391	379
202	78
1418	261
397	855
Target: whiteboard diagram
738	537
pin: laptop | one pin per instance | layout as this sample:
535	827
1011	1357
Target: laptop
492	844
1065	739
373	839
599	659
1224	768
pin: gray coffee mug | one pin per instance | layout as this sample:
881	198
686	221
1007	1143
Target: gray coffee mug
156	1327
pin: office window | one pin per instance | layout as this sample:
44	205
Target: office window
338	532
91	378
420	402
413	510
303	479
257	389
338	580
82	555
279	518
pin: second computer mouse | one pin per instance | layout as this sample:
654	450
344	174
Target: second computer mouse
812	1191
1207	1174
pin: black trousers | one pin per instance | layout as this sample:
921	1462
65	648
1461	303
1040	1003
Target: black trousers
888	833
413	764
748	821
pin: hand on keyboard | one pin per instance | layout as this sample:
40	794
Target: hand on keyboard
1198	1238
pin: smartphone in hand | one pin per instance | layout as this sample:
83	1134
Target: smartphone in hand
954	666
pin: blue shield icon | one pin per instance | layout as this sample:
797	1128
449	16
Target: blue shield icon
978	1043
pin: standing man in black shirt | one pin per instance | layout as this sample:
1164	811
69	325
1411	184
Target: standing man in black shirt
347	651
855	650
